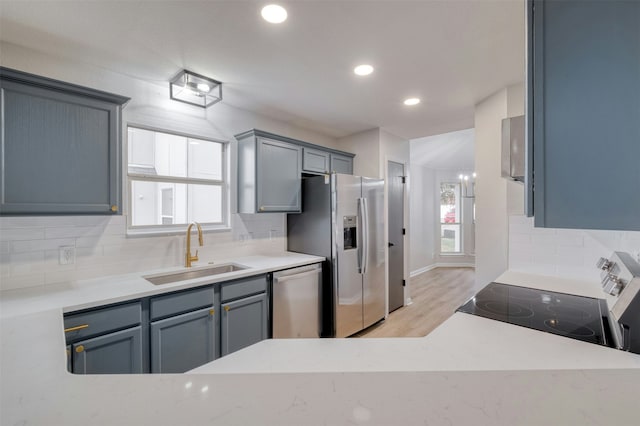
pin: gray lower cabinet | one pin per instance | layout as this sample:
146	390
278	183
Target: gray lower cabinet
341	164
183	342
583	114
69	365
243	323
169	333
114	353
60	147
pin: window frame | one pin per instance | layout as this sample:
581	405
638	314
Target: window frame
174	229
460	224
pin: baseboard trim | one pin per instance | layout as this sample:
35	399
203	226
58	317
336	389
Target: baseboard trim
422	270
440	265
455	265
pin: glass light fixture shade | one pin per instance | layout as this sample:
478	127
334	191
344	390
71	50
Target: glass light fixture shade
195	89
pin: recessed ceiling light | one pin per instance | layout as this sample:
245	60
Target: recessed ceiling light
363	69
274	13
412	101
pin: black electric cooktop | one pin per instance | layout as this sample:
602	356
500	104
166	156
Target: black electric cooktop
577	317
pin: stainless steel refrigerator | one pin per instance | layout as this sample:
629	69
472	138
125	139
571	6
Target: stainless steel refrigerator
342	219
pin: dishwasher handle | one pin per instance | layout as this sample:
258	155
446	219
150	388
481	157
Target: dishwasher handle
285	278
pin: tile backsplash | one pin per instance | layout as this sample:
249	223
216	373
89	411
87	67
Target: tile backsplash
29	246
570	253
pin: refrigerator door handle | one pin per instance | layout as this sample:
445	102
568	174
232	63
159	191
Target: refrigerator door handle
359	235
365	237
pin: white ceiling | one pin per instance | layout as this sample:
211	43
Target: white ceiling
451	54
449	151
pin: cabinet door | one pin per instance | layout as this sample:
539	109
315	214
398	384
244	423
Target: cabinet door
114	353
183	342
244	322
279	167
341	164
315	161
585	89
60	152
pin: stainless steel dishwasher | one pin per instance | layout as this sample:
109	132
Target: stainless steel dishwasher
296	302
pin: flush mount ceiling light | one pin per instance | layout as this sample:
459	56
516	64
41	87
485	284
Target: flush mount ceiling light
195	89
274	13
363	69
412	101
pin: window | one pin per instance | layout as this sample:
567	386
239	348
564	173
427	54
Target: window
174	180
450	218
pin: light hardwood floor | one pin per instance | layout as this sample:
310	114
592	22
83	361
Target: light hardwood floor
436	295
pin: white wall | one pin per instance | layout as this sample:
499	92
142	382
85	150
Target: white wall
366	146
491	190
29	245
421	218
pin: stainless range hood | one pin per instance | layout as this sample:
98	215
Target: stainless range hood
513	148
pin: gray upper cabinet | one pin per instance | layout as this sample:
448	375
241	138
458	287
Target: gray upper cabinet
341	164
60	147
278	169
583	114
269	175
270	169
315	161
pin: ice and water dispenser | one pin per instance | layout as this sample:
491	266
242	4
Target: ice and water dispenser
349	227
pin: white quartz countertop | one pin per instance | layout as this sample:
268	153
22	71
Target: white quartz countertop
73	296
462	373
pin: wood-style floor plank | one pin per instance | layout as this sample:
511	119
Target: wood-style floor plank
436	294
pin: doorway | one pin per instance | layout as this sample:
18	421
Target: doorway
395	214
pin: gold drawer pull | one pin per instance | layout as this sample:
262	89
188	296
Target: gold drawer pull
226	308
79	349
212	311
76	328
114	208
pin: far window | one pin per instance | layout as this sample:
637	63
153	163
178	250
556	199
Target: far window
174	180
450	218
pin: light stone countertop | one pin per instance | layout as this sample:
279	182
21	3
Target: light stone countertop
35	387
74	296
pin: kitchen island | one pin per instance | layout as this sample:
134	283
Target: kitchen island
470	370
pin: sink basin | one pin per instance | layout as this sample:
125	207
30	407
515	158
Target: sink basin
194	273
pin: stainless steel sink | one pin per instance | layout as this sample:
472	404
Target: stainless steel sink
194	273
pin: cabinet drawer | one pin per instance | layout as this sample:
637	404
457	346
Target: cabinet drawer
242	288
178	303
101	321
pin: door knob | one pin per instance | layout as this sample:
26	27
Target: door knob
391	244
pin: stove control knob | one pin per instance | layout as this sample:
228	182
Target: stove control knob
613	285
604	264
605	280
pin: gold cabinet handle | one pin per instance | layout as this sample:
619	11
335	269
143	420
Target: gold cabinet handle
114	208
227	308
79	348
212	311
76	328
